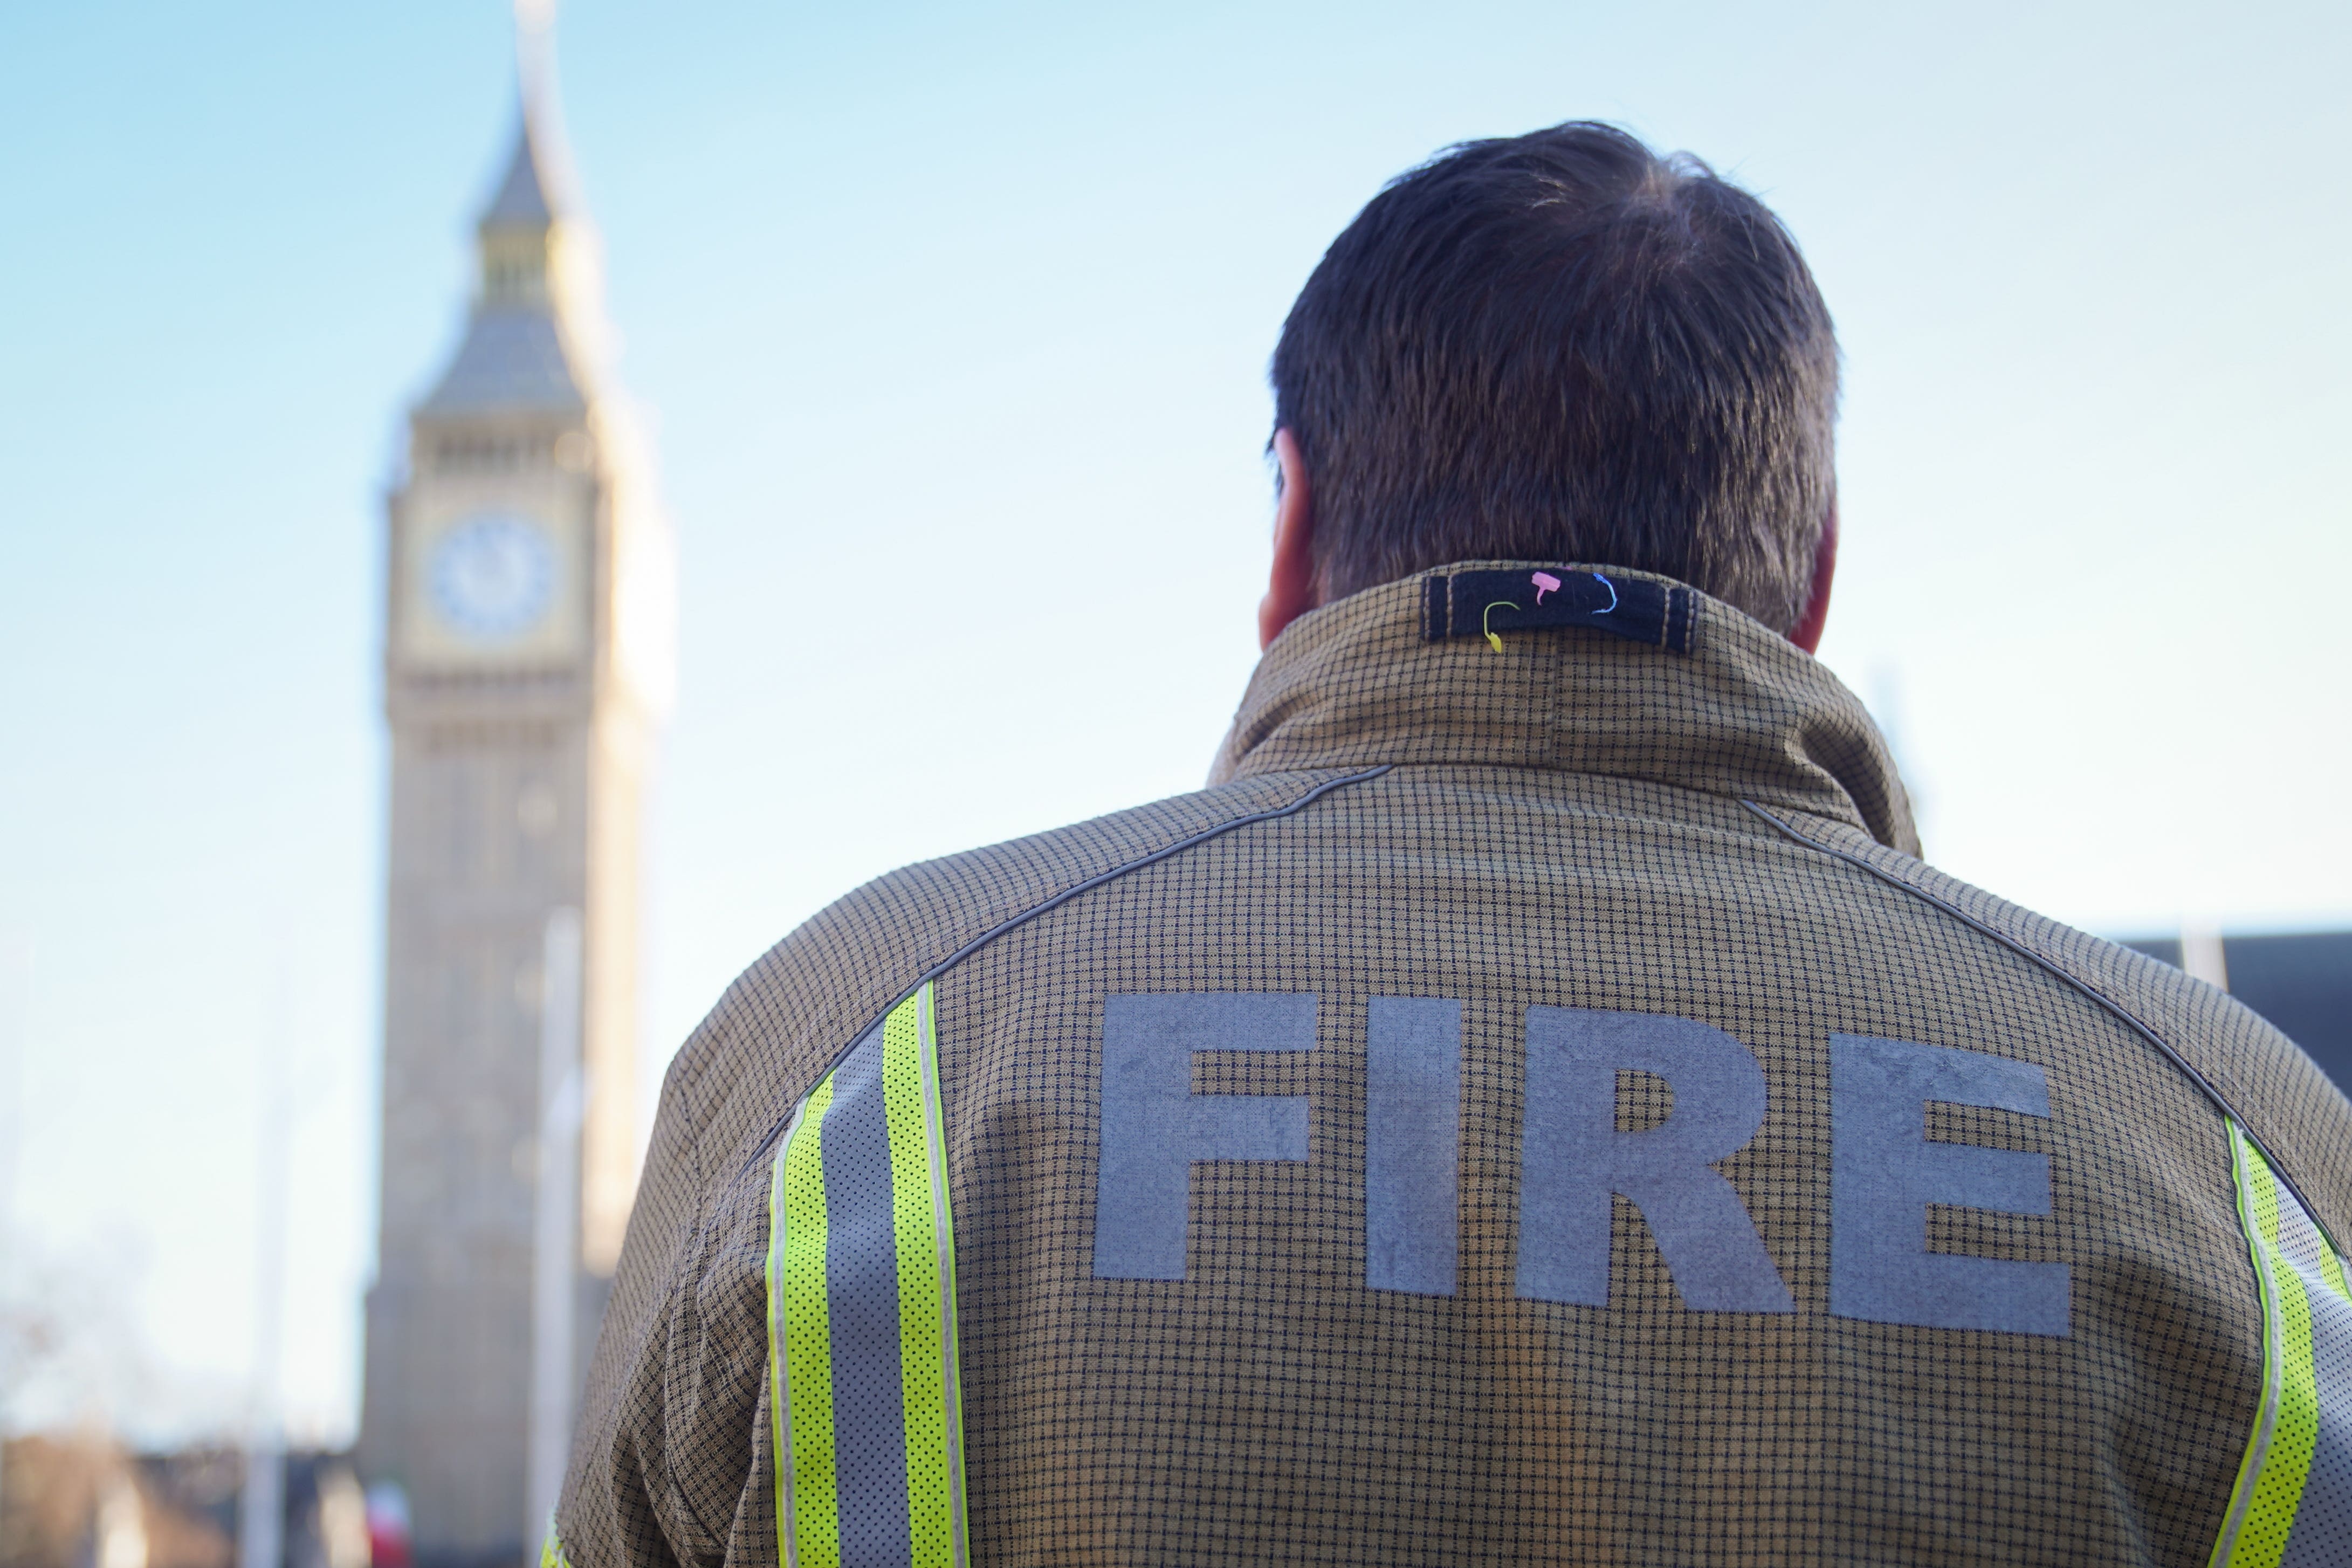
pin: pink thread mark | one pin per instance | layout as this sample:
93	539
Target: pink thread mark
1545	584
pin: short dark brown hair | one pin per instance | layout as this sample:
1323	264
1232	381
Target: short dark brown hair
1563	347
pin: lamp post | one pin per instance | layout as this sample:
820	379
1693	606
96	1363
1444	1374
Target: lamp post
261	1500
556	1223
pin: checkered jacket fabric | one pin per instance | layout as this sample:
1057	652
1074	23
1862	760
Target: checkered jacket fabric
1561	824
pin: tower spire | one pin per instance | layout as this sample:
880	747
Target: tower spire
533	192
535	23
537	336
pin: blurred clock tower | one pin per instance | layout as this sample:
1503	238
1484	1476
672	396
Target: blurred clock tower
526	666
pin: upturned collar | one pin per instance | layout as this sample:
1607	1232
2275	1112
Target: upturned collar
1622	673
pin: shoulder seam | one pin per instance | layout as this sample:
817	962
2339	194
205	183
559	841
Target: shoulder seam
2124	1015
1023	917
1096	881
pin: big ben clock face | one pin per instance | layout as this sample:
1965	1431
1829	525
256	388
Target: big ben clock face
491	584
492	576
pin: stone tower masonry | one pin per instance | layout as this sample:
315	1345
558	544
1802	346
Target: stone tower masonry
526	659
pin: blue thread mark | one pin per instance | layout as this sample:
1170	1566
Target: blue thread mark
1613	594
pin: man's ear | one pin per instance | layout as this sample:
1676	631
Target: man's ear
1807	633
1290	589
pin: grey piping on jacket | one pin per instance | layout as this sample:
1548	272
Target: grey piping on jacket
2123	1014
1014	922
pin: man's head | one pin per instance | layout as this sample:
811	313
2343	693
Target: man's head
1562	347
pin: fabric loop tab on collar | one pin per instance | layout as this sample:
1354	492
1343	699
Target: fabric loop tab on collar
1486	603
1699	696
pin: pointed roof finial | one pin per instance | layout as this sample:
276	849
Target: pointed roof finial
535	56
532	192
523	200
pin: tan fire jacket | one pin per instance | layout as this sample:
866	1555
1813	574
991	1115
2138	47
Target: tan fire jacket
1533	1107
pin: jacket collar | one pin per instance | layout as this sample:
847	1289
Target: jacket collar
1744	713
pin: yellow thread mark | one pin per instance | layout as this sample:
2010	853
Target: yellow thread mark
1485	622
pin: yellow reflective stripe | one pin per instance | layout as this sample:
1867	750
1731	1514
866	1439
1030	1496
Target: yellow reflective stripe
805	1432
2286	1428
2242	1494
2295	1432
551	1550
915	1220
779	1395
935	1124
2264	1189
2331	1267
2279	1492
808	1520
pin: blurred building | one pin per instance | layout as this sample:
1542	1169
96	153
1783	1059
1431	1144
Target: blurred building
526	657
81	1500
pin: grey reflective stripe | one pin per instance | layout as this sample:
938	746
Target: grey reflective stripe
861	1270
1413	1144
2323	1518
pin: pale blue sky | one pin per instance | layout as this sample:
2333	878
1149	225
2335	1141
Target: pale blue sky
982	300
